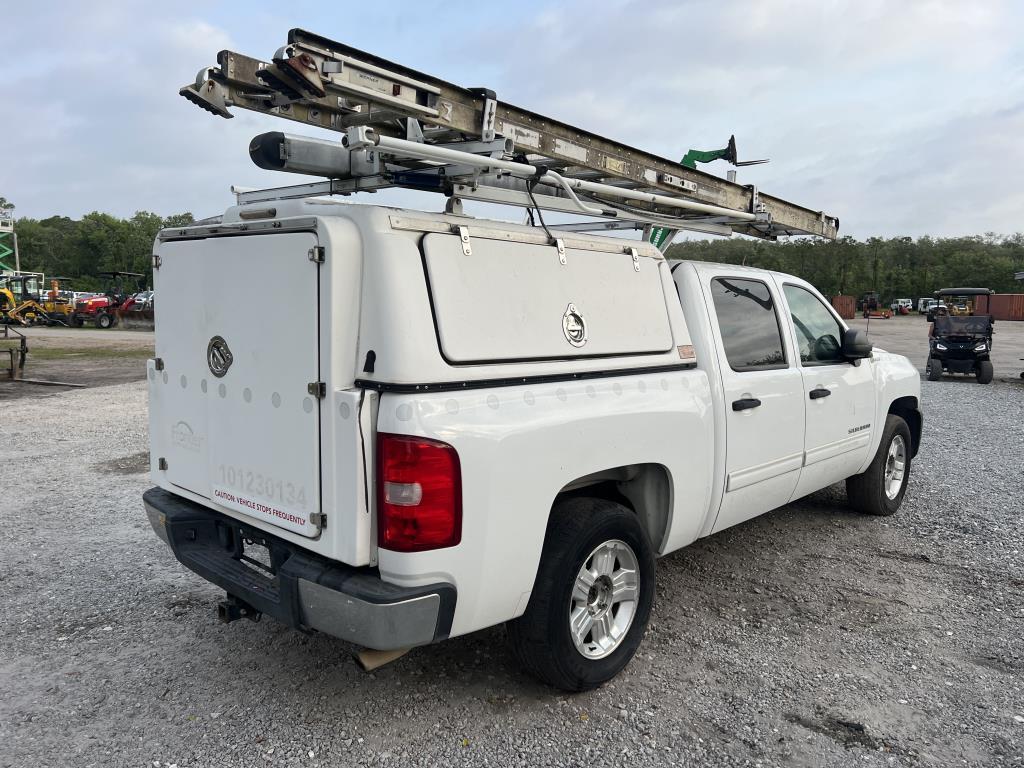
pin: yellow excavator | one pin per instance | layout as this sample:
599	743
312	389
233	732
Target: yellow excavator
19	300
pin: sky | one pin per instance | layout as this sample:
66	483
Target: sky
900	118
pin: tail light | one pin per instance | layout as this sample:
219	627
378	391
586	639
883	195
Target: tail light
419	494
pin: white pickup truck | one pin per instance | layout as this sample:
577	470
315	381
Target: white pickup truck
411	426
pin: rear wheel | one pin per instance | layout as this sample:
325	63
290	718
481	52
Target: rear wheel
592	597
880	488
985	372
934	369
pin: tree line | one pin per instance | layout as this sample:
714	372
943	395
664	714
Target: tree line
79	249
895	267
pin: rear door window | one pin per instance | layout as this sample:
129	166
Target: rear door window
749	324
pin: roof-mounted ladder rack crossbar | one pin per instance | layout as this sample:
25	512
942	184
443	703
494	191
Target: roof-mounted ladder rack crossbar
402	128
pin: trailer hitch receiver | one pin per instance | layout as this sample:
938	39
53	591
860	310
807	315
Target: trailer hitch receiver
233	609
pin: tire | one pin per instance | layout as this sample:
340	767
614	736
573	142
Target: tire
104	321
871	491
580	531
934	369
985	372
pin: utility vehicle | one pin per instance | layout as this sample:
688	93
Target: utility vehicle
467	422
961	345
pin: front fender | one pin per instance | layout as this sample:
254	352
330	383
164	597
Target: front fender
896	379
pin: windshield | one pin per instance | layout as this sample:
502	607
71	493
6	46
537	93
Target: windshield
976	325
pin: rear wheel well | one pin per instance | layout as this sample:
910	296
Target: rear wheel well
907	409
645	489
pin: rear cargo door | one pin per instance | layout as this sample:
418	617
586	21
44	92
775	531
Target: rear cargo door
238	335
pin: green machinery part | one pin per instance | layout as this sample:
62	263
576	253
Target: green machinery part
694	156
661	236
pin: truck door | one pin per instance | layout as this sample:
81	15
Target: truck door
764	400
840	396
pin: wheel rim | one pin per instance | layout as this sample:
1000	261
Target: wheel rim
604	599
895	467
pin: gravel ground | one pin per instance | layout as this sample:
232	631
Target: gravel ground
808	637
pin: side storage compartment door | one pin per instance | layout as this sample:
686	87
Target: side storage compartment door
238	334
514	301
764	400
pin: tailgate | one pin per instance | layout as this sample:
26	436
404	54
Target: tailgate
238	336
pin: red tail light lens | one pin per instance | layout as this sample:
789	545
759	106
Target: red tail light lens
419	494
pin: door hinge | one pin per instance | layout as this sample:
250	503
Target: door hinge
636	259
158	363
467	247
319	519
317	389
560	245
318	254
157	261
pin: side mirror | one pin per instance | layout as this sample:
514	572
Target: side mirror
856	345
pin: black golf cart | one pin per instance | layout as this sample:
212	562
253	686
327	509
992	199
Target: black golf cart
960	341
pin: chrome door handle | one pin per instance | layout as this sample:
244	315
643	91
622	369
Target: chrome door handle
745	404
820	392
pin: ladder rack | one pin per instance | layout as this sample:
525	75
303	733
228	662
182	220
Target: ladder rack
402	128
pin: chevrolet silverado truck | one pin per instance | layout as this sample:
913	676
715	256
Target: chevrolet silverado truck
457	424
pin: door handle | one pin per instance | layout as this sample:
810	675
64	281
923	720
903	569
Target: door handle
820	392
745	404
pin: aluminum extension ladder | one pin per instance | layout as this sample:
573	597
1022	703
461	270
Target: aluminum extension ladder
402	128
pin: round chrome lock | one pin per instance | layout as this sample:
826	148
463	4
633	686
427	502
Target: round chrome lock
574	326
218	356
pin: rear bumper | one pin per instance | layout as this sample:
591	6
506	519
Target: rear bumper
305	591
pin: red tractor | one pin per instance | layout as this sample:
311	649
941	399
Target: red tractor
101	309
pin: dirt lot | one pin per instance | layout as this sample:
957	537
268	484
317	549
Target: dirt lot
79	356
811	636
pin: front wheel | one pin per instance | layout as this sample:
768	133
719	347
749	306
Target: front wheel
104	321
985	372
592	597
934	369
879	490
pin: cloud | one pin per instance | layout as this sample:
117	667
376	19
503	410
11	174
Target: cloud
900	118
